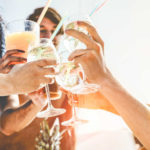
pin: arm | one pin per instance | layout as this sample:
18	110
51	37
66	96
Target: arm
134	113
14	118
95	101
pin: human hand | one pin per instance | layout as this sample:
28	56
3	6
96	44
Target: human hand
91	58
9	60
29	77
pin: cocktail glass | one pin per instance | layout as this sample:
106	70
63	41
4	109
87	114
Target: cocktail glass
20	34
46	49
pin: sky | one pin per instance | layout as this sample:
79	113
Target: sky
124	26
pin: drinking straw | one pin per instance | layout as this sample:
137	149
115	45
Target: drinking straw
43	12
58	28
97	8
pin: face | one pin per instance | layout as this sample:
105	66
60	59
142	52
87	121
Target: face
47	27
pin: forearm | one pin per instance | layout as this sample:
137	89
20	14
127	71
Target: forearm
95	101
135	114
14	120
6	87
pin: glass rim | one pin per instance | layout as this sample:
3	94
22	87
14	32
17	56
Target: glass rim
21	20
47	42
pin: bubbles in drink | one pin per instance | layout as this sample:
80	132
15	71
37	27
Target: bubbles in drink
41	52
68	76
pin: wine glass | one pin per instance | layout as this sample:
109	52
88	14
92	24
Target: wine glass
74	120
45	49
70	42
71	76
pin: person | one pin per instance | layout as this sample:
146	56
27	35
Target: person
48	24
18	81
135	113
19	125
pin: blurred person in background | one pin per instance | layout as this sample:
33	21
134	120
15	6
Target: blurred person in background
18	116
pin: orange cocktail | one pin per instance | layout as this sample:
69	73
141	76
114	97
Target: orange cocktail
20	40
21	34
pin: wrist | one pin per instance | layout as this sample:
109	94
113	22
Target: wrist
109	83
107	80
104	75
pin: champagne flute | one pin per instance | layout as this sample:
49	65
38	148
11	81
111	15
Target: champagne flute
45	49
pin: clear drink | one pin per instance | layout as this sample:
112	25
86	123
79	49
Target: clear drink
68	76
70	42
46	49
41	51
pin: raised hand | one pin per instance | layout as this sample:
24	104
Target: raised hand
91	59
28	77
10	59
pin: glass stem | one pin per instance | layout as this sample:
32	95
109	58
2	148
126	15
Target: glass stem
73	109
50	106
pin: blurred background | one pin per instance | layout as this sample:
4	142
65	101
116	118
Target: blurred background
124	26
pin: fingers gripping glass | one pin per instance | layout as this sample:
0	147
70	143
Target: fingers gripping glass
70	77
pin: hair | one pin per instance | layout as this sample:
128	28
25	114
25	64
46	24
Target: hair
1	19
2	37
51	14
3	99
